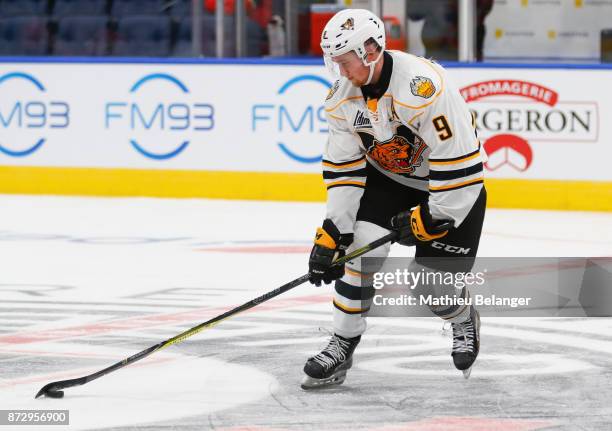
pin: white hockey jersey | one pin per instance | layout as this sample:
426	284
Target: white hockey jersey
420	133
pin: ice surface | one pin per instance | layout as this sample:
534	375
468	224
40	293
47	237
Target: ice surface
86	282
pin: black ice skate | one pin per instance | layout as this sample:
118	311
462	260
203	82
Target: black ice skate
329	367
466	342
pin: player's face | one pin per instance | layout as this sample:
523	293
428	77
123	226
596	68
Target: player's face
352	68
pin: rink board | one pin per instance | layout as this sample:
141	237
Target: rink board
534	194
256	130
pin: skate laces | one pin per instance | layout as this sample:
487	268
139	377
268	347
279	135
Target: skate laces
463	336
334	352
446	327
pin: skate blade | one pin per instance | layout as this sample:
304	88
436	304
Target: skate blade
309	383
466	373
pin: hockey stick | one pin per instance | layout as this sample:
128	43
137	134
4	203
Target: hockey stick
54	389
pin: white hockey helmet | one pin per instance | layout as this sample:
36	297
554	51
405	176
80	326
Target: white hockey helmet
349	30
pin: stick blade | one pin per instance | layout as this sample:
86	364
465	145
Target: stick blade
50	388
54	389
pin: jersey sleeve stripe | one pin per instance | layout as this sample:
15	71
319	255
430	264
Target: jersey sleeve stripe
434	189
454	174
455	160
347	164
360	184
329	175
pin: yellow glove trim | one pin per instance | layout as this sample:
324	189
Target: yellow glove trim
418	228
324	239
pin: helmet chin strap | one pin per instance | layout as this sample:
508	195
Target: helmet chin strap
372	66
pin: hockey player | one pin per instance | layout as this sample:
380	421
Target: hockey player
402	154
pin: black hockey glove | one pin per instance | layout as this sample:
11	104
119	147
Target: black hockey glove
418	225
329	246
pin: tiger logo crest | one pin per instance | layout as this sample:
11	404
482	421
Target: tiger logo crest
349	24
398	155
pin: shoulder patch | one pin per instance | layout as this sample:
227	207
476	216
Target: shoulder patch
333	90
423	87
